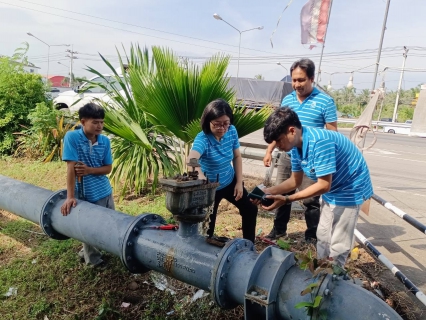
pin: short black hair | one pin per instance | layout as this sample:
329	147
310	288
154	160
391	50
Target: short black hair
306	65
91	111
215	109
278	123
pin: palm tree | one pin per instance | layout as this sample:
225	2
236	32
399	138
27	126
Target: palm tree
139	152
174	99
155	112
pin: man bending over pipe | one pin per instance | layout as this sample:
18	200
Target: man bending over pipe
341	174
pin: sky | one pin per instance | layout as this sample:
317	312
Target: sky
189	29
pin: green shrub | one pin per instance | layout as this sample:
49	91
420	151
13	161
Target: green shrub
19	93
44	137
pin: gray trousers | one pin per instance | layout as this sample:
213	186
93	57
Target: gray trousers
90	254
282	214
335	232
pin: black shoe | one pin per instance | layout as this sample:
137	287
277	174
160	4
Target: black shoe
274	235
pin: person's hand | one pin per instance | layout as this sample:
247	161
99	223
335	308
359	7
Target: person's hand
255	201
81	169
238	191
279	200
66	207
267	159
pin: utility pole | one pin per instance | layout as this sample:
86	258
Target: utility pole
72	57
379	53
400	83
318	78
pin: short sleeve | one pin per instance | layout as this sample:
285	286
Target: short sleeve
70	152
108	154
236	141
325	157
295	161
330	111
199	144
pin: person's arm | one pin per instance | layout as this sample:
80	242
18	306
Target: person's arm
288	185
322	186
330	115
331	126
70	201
267	159
84	170
238	168
196	155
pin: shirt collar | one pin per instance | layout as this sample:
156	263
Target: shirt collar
83	136
213	140
314	92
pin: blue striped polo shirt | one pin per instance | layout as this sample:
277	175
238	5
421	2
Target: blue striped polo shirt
328	152
216	156
78	148
315	111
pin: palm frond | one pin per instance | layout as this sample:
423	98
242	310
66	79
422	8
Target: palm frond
247	120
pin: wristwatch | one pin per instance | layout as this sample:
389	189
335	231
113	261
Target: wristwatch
287	199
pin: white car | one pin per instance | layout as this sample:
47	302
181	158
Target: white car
395	127
73	100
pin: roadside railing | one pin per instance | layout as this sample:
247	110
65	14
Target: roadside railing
396	272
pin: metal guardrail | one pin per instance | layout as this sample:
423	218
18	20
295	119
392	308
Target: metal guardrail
376	123
397	273
415	223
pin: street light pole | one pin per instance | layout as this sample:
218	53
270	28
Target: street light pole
48	50
395	109
279	63
218	17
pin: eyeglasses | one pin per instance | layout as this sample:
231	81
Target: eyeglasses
218	125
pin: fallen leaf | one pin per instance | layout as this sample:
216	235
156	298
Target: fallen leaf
354	254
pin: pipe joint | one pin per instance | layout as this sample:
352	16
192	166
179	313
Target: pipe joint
260	299
219	280
46	215
128	256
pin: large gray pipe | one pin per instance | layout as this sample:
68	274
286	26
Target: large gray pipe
267	284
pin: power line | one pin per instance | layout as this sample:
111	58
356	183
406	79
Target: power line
110	27
138	26
125	30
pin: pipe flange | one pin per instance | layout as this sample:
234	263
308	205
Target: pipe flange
220	273
128	250
46	215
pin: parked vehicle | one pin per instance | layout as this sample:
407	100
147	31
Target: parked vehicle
386	119
73	100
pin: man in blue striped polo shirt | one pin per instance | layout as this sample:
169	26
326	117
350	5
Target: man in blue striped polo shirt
340	173
315	109
88	156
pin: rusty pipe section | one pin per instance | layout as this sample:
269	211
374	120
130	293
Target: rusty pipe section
267	284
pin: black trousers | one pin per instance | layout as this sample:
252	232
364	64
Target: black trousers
248	210
312	215
282	215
